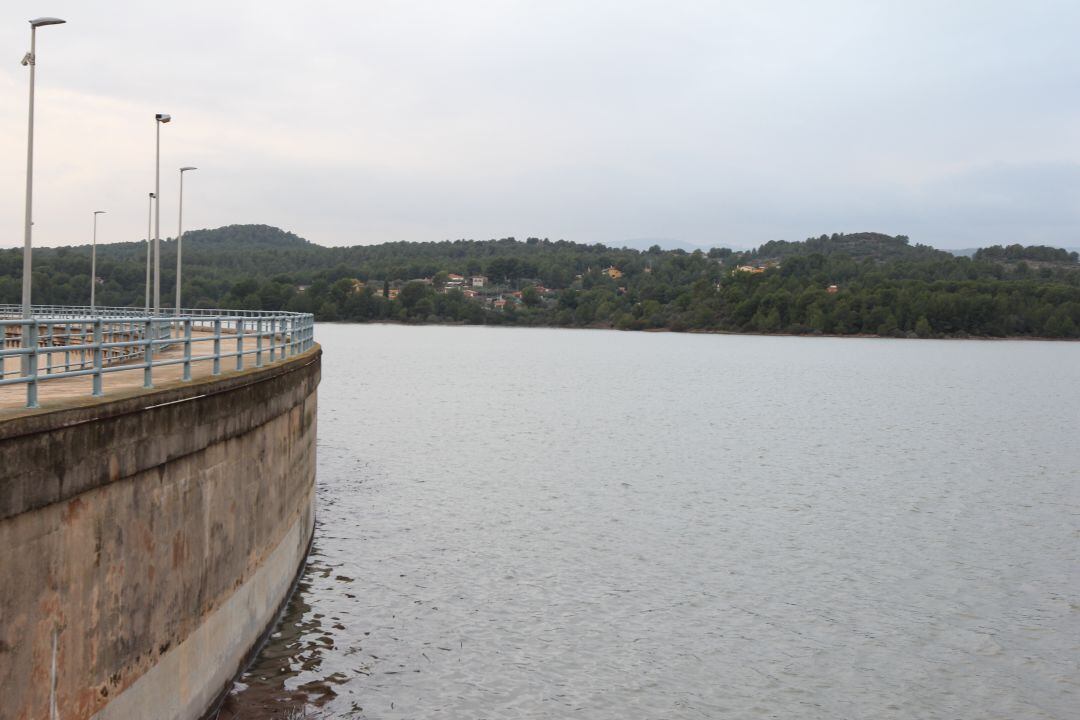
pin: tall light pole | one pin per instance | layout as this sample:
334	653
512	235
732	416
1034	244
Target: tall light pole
149	249
180	235
30	59
159	120
93	262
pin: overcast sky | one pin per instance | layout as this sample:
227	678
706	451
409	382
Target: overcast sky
713	123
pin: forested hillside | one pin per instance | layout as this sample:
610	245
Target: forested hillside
1032	253
864	283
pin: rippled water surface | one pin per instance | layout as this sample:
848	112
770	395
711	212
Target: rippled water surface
533	523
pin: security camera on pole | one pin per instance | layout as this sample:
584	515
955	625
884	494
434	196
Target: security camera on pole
159	120
93	262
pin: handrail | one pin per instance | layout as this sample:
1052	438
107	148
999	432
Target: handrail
96	342
12	311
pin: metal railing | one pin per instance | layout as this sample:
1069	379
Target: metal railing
60	342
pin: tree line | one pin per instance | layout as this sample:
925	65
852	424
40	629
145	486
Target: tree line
1035	253
865	283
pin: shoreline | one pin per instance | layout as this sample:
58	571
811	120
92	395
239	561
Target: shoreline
853	336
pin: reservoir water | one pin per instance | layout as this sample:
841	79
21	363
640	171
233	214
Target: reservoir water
537	523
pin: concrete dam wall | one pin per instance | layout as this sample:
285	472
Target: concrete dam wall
147	540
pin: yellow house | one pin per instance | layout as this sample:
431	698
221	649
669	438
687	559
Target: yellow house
613	272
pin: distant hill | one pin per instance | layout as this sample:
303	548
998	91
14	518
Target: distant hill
662	243
1034	253
998	252
842	284
241	236
858	246
254	249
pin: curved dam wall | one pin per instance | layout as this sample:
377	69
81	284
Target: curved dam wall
148	539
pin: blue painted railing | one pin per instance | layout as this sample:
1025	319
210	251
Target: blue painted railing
59	342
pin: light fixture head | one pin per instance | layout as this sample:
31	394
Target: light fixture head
152	196
163	118
99	212
187	167
42	21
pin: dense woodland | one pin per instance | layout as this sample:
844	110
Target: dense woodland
864	283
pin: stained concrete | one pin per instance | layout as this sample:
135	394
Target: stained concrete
130	527
209	656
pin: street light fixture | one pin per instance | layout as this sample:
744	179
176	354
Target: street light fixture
93	262
30	59
180	234
159	120
149	249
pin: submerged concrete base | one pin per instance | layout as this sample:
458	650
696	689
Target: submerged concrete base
210	657
147	540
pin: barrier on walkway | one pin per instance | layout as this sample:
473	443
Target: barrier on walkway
58	342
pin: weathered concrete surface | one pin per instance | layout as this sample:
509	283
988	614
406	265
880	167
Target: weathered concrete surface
206	662
145	541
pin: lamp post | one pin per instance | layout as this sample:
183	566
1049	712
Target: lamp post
159	120
30	59
180	235
149	249
93	262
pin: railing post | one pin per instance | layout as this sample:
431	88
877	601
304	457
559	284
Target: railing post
98	358
258	343
217	346
148	354
273	337
49	344
187	349
240	344
30	369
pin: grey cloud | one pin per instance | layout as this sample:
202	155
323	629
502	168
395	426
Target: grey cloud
704	122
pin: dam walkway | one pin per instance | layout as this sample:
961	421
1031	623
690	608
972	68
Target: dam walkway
67	355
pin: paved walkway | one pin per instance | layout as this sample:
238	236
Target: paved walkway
63	392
